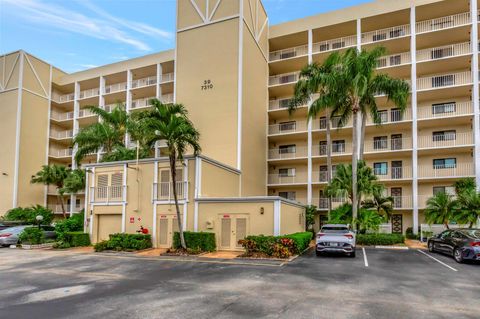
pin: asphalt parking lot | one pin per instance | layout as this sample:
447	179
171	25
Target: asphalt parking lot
379	283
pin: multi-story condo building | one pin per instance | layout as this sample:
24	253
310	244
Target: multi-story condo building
236	75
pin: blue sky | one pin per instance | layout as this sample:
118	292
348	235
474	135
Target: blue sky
78	34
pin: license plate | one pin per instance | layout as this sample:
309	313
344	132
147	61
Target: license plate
333	244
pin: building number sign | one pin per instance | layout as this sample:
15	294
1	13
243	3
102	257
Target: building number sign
207	85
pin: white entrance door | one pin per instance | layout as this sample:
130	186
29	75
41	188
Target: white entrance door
167	226
232	229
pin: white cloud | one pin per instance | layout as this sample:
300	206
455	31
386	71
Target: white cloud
104	26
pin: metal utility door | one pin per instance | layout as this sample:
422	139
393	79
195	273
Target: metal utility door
167	225
232	229
108	224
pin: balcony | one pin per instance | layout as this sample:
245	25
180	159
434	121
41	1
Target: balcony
386	34
117	87
446	171
442	23
443	52
447	140
139	103
394	60
164	191
334	44
444	81
61	134
402	202
85	113
288	53
321	176
322	202
166	77
62	98
107	194
286	78
167	98
336	149
388	145
445	110
287	127
291	153
57	116
396	173
392	116
57	209
85	94
60	153
279	179
279	104
151	80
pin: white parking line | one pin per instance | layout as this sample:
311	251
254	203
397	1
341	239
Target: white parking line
440	262
365	257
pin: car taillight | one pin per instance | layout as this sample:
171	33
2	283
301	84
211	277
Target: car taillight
348	236
475	244
5	235
320	235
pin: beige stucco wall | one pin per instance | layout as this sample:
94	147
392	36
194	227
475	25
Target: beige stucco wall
291	219
218	182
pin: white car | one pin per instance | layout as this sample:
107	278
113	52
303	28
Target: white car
335	238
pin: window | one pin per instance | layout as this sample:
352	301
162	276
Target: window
450	190
286	172
323	148
380	168
284	103
383	115
287	149
287	126
323	47
323	123
287	78
323	174
396	60
288	195
397	33
338	45
396	115
443	80
442	108
442	53
288	54
338	146
379	37
380	142
382	62
336	122
450	135
444	163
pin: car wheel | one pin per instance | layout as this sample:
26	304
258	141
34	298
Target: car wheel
457	255
352	254
431	248
319	254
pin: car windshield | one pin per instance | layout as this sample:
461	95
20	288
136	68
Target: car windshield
334	229
475	233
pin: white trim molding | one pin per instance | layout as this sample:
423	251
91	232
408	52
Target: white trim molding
240	89
18	128
475	93
124	204
277	218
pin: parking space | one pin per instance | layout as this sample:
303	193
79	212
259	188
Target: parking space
378	283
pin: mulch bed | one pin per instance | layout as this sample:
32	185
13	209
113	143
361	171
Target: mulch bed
181	252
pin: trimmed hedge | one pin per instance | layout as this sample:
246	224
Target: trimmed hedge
77	239
277	246
71	224
125	242
380	239
301	240
197	241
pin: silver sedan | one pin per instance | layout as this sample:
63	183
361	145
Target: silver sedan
9	236
335	238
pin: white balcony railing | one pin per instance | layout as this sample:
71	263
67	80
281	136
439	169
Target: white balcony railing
151	80
283	78
446	140
335	44
282	153
107	194
452	21
288	53
322	202
85	113
167	98
61	116
445	110
394	173
336	149
164	191
117	87
57	209
320	176
444	80
62	98
287	127
386	34
89	93
279	179
392	116
394	60
402	202
453	171
388	144
145	102
167	77
59	153
61	134
442	52
279	104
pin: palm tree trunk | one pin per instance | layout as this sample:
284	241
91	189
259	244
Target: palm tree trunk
362	136
329	161
356	118
173	172
60	198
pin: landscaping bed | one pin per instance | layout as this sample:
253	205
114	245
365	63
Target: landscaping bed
380	239
124	242
197	244
277	247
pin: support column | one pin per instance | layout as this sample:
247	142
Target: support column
359	126
76	110
159	97
309	129
102	105
128	101
475	93
413	54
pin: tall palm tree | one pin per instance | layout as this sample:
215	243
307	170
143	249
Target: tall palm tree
74	182
170	123
107	134
53	175
468	205
356	85
440	209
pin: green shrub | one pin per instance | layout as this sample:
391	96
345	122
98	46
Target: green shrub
32	235
197	241
72	224
379	239
301	240
341	215
261	243
77	239
125	242
277	246
28	215
410	235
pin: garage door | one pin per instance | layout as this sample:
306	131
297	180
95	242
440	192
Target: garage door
108	224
